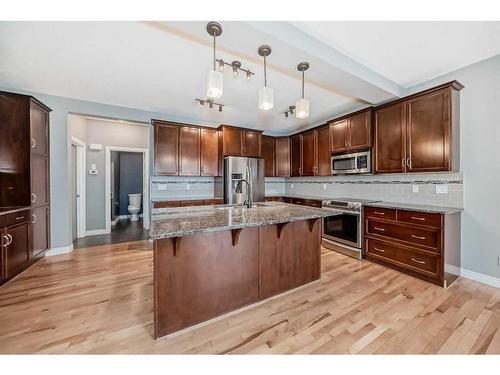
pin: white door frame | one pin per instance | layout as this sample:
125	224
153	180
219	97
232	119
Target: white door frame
145	183
81	186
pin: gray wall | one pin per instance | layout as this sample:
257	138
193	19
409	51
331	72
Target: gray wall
130	178
480	162
105	133
115	184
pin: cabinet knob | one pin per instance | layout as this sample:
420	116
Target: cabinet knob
34	219
33	197
33	142
6	239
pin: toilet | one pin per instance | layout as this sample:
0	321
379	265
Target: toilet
134	206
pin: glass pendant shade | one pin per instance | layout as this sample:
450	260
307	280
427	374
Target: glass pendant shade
302	109
214	84
266	98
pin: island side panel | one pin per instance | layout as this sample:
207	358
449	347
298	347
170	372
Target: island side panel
207	277
292	260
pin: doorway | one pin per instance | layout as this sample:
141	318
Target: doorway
78	186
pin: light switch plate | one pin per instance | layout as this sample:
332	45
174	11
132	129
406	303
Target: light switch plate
162	186
414	188
441	189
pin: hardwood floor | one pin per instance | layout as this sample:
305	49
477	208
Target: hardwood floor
100	300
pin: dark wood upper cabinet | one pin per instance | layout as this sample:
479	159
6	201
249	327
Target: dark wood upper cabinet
232	139
390	127
323	152
39	126
309	153
268	148
40	195
209	152
296	158
428	132
360	131
419	133
338	134
282	156
189	151
166	143
252	143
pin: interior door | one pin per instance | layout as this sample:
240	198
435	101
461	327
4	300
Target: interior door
74	204
428	132
390	139
189	151
338	133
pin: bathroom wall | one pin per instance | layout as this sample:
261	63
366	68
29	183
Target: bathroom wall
130	178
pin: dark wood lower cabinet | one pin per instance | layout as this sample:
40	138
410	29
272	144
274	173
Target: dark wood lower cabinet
40	229
186	203
200	277
17	251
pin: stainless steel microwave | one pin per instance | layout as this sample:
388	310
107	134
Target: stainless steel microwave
354	163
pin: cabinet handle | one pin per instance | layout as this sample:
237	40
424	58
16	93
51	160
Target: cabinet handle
34	218
403	162
408	162
380	229
33	197
418	237
300	171
33	142
418	218
417	261
382	251
379	213
7	241
9	237
19	217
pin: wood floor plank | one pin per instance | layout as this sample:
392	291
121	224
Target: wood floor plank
100	300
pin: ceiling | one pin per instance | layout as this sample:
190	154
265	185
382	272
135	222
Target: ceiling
162	66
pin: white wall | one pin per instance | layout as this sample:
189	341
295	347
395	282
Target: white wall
480	162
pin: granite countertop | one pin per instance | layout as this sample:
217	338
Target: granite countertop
189	198
314	197
417	207
184	221
10	210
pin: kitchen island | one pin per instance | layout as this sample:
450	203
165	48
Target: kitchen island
212	260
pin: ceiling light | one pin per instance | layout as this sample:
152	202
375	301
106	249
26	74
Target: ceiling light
236	66
289	111
202	103
220	107
215	78
221	65
211	103
266	94
249	75
302	105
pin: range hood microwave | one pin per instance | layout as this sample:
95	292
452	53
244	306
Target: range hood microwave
352	163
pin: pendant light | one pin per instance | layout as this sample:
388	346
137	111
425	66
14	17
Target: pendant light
265	93
302	105
215	77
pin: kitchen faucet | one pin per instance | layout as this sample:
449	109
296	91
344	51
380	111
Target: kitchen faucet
248	201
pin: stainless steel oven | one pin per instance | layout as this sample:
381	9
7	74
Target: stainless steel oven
353	163
343	229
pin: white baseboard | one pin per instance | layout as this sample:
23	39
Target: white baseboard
95	232
472	275
59	250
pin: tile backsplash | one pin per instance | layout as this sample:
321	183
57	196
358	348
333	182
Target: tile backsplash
402	188
405	188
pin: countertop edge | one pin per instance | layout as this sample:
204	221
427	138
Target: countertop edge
416	207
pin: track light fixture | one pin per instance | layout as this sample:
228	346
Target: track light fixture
235	68
289	111
210	103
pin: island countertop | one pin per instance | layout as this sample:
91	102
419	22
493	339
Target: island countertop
185	221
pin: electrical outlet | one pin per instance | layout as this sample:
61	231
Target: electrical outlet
324	186
441	189
188	187
291	186
414	188
162	186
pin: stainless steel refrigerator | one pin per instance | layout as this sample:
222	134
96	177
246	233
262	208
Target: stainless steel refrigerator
238	168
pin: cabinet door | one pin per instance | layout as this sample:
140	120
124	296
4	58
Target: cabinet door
338	133
3	243
18	251
360	135
39	126
428	132
189	151
323	152
296	141
268	155
40	230
309	153
209	152
390	139
251	144
282	156
232	139
39	181
166	151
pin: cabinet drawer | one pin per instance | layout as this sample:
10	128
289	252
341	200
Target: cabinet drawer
418	236
166	204
208	202
404	256
421	218
297	201
191	203
311	203
16	217
380	213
